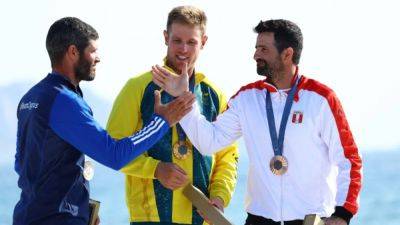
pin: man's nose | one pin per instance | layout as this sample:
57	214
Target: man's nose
255	56
184	48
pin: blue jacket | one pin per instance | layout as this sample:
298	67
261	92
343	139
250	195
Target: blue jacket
55	129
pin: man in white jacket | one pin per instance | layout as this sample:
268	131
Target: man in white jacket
303	158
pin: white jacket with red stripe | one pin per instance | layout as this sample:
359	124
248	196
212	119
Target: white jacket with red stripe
324	174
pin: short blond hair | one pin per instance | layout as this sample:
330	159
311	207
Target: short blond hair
188	15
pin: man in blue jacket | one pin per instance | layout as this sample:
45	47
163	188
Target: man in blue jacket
56	128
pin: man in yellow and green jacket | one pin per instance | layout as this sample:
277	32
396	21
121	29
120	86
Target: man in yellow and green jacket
155	179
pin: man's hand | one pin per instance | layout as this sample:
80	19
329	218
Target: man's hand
172	83
97	221
216	202
171	175
174	110
334	220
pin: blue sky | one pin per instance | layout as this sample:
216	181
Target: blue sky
352	46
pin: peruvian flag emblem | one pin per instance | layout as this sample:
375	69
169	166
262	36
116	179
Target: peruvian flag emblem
297	117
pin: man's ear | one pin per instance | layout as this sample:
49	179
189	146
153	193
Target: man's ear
204	39
72	53
166	37
287	55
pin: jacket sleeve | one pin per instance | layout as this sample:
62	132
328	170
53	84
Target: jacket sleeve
224	177
220	133
343	153
125	119
71	119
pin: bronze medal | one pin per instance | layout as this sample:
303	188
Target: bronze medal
181	150
278	165
88	170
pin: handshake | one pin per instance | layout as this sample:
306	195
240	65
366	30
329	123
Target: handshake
177	86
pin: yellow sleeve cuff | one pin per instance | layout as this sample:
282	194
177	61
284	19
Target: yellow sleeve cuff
222	195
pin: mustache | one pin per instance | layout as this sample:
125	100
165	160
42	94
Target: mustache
261	61
263	68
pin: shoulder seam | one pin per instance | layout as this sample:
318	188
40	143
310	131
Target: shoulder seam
260	85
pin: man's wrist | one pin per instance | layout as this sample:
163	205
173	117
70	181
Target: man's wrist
156	115
218	202
155	174
342	213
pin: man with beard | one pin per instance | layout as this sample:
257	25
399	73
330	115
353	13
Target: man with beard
56	128
303	159
154	180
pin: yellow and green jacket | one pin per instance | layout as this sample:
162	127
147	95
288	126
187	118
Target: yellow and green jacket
147	200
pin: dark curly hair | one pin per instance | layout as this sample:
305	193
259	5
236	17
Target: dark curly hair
65	32
286	33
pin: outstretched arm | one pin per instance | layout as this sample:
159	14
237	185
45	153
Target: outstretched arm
207	137
211	137
71	120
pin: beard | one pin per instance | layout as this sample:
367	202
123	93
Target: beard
264	69
273	72
83	70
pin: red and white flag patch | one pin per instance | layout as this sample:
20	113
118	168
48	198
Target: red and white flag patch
297	117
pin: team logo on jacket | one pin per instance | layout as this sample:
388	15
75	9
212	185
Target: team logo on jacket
28	105
297	117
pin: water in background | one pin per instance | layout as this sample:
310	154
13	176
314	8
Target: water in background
380	199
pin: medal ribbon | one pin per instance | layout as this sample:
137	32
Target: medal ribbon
277	142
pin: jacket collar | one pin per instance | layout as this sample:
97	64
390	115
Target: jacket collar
59	78
271	88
